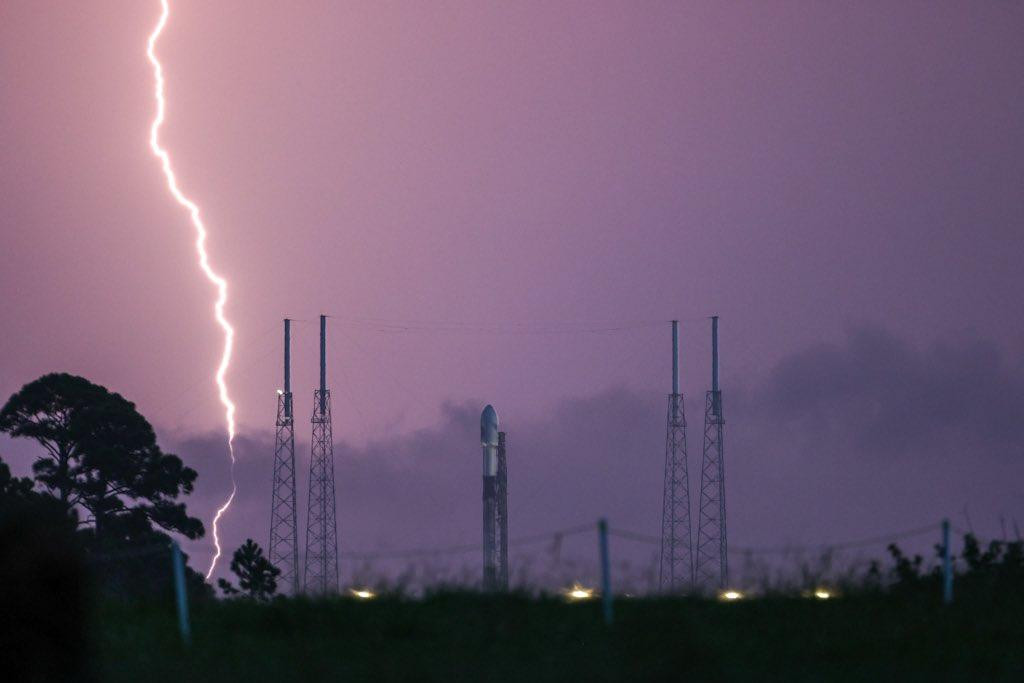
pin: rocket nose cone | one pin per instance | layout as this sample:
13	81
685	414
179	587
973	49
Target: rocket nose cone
489	425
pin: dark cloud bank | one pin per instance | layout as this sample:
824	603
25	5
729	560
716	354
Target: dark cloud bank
836	443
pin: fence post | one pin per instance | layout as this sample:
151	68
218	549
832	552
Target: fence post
179	592
606	581
947	565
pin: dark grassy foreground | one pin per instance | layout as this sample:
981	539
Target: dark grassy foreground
467	637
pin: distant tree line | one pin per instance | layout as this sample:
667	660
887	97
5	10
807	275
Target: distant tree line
982	571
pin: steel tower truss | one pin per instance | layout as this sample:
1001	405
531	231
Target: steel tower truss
321	567
712	541
712	546
284	532
676	570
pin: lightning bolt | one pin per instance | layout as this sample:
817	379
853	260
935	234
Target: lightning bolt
217	280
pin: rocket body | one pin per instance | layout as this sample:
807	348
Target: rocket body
489	440
489	444
490	533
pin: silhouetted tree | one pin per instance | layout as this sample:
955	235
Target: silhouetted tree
43	587
256	576
102	455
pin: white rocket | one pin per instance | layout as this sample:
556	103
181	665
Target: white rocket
495	507
489	440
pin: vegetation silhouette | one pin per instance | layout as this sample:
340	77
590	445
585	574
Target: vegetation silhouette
44	597
102	469
257	577
101	455
987	574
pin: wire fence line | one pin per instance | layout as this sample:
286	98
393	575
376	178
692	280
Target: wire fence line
556	535
847	545
790	548
466	548
650	539
987	540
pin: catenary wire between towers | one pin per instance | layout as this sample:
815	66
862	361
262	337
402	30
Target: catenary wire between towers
625	534
648	539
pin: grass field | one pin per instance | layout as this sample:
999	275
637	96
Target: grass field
470	637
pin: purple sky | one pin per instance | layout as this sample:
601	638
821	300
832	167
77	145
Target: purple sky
841	183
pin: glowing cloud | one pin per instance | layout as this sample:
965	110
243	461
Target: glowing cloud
217	280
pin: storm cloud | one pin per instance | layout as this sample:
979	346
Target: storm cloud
879	396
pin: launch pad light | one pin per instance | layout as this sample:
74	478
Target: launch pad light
578	592
362	593
730	595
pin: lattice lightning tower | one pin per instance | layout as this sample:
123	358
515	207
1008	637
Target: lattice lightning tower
321	567
712	543
676	569
284	517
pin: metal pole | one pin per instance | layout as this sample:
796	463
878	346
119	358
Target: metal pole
715	395
675	357
947	565
323	363
179	591
287	367
714	353
606	580
288	355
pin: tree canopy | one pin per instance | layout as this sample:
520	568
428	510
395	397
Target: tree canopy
13	487
101	455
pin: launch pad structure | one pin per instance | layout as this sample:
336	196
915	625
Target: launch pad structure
283	550
676	566
321	563
684	565
712	542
